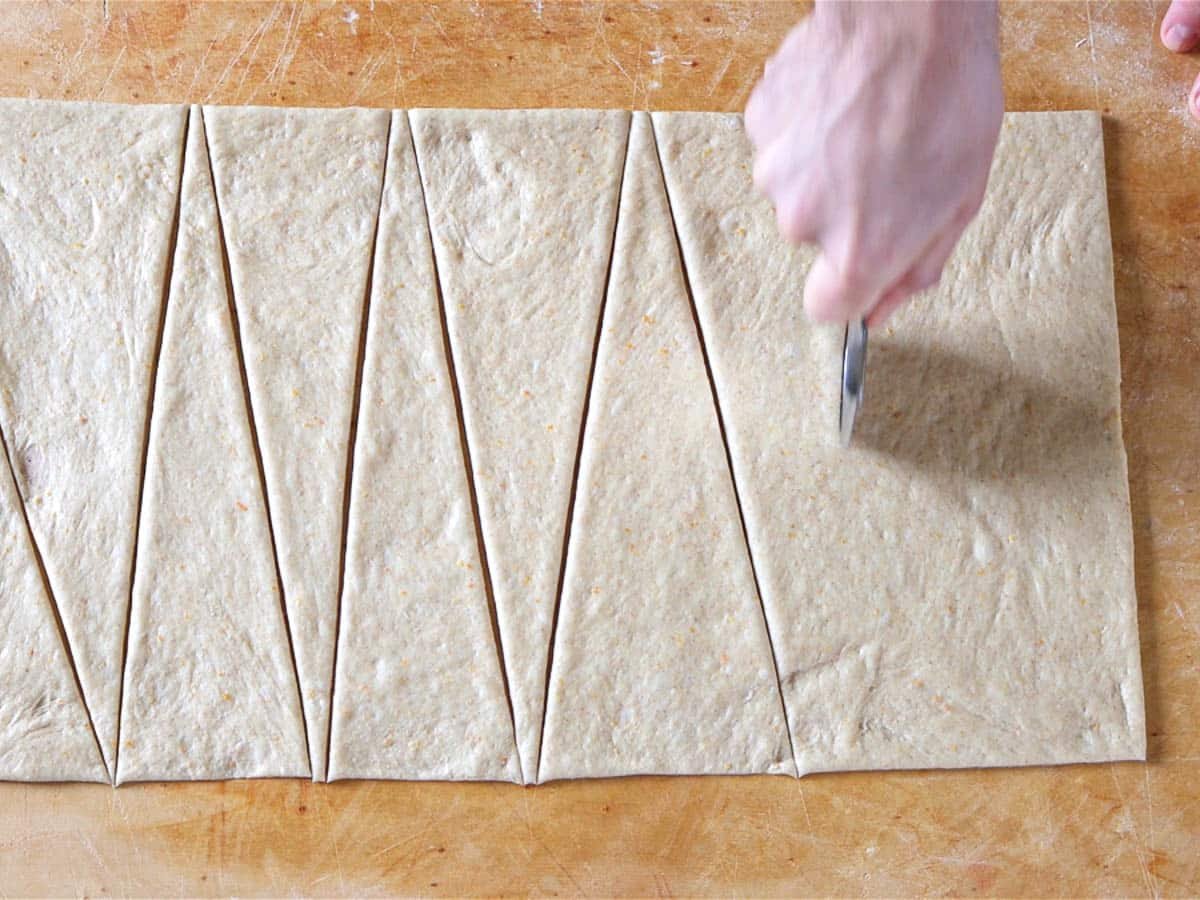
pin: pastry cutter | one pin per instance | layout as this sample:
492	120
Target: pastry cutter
854	365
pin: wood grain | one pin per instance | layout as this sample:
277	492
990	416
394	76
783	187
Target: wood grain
1126	829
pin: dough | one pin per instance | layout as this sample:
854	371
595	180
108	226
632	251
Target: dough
87	200
209	687
661	660
521	205
418	692
957	588
299	195
44	730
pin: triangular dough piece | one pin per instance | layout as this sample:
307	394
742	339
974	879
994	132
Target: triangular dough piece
661	659
44	730
87	201
956	589
418	693
299	194
210	691
521	205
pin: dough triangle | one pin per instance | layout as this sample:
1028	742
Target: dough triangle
210	691
522	205
298	193
44	730
87	200
418	693
661	658
956	589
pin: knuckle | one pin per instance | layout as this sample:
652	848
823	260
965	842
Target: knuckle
796	217
791	224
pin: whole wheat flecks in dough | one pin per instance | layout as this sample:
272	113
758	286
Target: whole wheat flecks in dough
521	205
85	230
661	658
418	692
956	589
44	730
209	687
298	193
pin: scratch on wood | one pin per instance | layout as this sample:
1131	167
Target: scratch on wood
715	81
262	33
575	885
804	807
291	37
1150	880
431	15
1150	815
367	75
199	69
240	53
1091	39
599	33
112	71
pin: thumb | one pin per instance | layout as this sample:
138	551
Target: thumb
1180	29
831	296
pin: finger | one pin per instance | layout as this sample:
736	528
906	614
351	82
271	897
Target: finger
833	296
756	112
924	274
1180	30
772	166
766	113
796	216
927	270
890	302
793	198
788	183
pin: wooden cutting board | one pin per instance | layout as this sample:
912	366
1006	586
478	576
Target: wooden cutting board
1111	829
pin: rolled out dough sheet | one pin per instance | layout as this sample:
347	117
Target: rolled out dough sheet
661	659
521	205
87	201
418	693
44	730
299	195
957	588
210	691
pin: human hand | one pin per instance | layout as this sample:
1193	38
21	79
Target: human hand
874	127
1180	33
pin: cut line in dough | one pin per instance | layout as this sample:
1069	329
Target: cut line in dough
45	733
521	206
418	692
298	194
86	227
661	658
990	441
210	689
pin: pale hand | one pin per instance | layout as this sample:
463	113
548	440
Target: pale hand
874	128
1181	33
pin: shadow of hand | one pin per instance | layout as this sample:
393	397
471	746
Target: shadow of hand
938	411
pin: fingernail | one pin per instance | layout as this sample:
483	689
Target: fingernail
1178	37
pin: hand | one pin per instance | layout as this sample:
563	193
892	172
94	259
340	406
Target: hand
874	127
1180	33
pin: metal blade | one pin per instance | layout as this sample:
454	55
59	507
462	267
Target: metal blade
854	366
